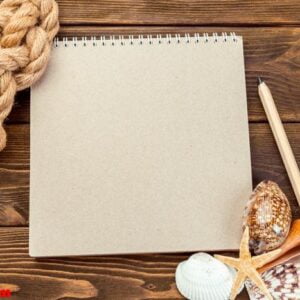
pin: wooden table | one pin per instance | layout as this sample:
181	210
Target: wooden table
272	49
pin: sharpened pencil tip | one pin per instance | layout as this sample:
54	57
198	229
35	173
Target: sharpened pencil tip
260	81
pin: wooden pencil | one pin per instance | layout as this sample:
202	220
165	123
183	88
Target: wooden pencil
280	137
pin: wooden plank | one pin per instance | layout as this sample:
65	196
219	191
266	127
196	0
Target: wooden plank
109	277
21	109
269	52
14	168
14	177
170	12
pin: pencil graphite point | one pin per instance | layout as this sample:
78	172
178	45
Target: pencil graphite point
260	81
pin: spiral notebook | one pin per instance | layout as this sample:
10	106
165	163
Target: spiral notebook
139	145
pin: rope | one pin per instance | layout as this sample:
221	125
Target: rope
27	28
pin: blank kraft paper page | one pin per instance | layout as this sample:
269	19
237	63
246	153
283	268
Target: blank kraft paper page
139	145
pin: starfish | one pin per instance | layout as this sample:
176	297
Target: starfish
247	266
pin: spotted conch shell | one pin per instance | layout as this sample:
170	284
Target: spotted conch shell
268	216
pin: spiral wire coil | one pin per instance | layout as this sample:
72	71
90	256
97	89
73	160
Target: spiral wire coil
150	39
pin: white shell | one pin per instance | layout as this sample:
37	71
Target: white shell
202	277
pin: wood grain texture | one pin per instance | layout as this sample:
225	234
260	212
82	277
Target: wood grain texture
104	277
14	168
170	12
14	177
272	53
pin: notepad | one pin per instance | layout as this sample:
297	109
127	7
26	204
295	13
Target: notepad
139	145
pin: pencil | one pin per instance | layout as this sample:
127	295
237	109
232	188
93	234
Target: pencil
280	137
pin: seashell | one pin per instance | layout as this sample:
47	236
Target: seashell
289	249
283	282
202	277
268	215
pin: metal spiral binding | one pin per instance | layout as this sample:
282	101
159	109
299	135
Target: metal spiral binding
149	39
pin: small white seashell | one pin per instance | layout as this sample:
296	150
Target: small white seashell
202	277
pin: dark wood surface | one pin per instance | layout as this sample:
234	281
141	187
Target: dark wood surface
178	12
271	31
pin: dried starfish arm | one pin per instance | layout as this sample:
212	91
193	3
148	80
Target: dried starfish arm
238	281
244	246
254	276
230	261
263	259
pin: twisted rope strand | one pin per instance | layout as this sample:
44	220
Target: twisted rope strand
27	28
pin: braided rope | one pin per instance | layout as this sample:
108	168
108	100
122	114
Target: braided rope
27	28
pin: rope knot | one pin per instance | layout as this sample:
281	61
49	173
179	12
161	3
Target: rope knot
27	28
